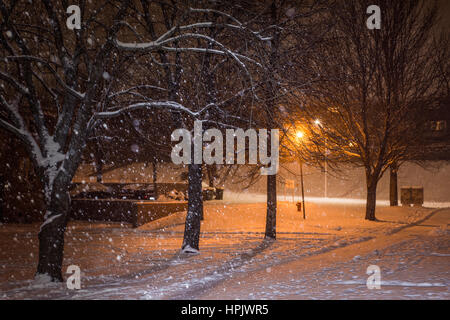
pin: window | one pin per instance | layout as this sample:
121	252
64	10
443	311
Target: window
440	125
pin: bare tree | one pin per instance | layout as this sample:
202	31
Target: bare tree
57	87
292	29
50	80
365	111
186	35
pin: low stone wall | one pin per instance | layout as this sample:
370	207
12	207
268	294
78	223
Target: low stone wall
147	211
130	211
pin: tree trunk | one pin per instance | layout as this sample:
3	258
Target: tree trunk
98	162
2	188
155	177
212	171
393	185
195	208
99	170
371	199
51	235
271	216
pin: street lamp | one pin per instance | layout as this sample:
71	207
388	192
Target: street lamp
300	135
326	175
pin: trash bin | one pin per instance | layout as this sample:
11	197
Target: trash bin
208	194
299	206
417	196
219	193
405	196
412	196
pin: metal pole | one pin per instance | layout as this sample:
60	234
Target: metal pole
303	191
326	178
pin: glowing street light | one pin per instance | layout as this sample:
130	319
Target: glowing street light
317	122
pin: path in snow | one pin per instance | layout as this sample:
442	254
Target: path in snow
325	256
414	263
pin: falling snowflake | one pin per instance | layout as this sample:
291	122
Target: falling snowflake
135	148
290	12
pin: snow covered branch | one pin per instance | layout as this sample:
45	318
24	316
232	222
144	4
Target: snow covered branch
14	82
19	130
72	91
169	105
129	90
239	25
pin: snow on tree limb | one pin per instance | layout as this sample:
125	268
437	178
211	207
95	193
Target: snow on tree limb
129	90
239	25
72	91
14	82
170	105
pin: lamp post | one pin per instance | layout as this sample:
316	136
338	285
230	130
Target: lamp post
300	136
303	190
326	178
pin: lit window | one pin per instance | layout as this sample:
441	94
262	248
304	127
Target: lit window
439	125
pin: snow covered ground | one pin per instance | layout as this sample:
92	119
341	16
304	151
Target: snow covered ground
245	197
325	256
